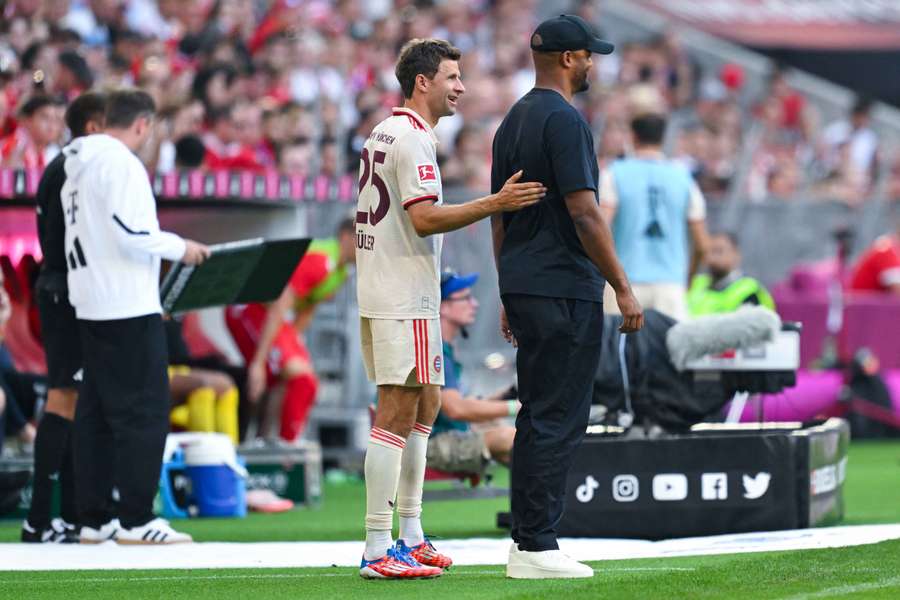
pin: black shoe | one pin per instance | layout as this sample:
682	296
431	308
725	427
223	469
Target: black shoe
59	532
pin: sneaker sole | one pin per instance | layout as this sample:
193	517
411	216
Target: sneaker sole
370	574
143	543
533	572
92	542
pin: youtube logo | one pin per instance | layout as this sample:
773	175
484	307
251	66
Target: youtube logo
670	487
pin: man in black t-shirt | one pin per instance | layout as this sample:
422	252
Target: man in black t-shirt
62	345
552	259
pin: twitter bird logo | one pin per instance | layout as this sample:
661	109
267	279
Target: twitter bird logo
756	487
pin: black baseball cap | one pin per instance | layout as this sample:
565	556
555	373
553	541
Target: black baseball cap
568	32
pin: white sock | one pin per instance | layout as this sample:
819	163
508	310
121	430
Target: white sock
383	458
412	479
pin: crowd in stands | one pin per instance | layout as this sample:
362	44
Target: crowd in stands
297	85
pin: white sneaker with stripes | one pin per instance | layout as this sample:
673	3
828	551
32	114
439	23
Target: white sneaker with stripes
89	535
157	531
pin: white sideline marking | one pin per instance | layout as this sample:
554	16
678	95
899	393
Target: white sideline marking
215	555
845	590
498	571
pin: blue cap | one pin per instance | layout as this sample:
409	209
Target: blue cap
451	281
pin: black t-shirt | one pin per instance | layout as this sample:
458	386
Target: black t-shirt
541	253
52	227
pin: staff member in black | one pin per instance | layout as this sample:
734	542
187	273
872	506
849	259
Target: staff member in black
113	250
552	259
62	346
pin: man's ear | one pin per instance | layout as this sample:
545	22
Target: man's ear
421	83
566	58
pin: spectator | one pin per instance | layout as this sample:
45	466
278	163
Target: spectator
789	110
35	141
849	148
223	142
855	130
190	153
73	75
296	158
469	430
724	287
656	212
247	122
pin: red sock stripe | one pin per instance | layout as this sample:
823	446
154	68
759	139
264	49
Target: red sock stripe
423	429
387	437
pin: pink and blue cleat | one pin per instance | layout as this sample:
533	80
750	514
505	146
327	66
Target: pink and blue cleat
397	564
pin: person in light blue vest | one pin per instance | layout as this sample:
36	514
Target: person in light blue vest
658	218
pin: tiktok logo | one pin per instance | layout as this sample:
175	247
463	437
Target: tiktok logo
585	492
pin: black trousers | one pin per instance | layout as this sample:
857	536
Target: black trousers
59	330
121	419
559	351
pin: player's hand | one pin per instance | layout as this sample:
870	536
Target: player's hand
194	253
632	313
256	381
516	196
505	331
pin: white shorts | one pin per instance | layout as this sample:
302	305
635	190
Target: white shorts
408	353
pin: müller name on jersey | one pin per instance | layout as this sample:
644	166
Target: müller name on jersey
365	241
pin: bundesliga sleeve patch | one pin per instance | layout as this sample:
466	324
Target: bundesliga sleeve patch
427	173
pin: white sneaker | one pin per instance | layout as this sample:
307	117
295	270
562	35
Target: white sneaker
549	564
89	535
157	531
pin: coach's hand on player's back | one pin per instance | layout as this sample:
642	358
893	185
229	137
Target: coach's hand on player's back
516	196
632	313
194	253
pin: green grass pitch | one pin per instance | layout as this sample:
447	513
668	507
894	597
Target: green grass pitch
872	494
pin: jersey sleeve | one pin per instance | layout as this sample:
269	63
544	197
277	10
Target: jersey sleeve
608	195
418	178
311	271
696	203
133	211
570	147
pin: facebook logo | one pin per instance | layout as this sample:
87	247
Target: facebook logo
714	486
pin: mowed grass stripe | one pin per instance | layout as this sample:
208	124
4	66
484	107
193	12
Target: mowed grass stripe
863	572
190	577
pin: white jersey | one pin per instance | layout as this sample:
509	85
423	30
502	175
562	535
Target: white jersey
113	242
398	272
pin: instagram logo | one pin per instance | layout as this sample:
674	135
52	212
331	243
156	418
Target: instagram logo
625	488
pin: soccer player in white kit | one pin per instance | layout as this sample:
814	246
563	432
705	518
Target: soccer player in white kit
400	216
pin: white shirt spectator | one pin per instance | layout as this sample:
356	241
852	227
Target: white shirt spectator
863	145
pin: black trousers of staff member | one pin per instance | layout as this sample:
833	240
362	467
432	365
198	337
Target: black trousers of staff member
122	419
559	349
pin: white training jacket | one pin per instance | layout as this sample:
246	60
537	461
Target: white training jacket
113	241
